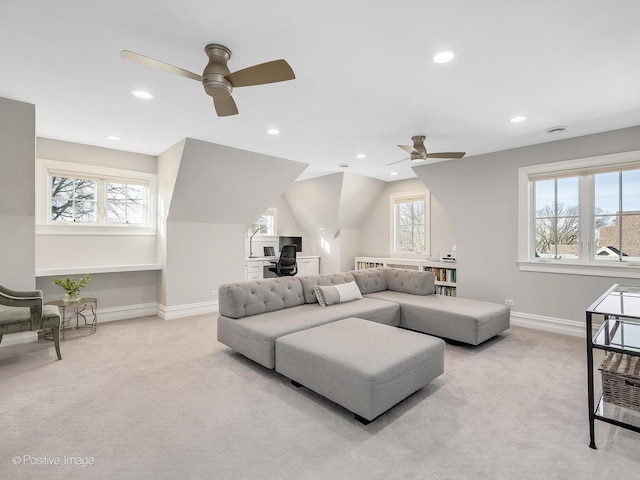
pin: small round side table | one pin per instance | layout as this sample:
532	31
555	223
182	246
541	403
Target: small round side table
83	308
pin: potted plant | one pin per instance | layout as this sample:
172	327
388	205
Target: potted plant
72	287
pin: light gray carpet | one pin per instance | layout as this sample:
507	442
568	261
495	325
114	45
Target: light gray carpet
153	399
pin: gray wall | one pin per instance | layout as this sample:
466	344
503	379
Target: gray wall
17	194
59	251
210	193
330	210
376	229
481	194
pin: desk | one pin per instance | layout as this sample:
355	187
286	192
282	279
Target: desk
254	267
86	307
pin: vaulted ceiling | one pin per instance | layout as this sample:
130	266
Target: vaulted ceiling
365	81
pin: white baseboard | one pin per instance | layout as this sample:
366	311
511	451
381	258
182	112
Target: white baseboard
128	311
189	310
549	324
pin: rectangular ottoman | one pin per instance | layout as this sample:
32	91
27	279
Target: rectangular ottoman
364	366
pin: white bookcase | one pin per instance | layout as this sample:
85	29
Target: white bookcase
444	272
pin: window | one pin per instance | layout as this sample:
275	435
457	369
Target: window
87	196
409	221
267	224
583	214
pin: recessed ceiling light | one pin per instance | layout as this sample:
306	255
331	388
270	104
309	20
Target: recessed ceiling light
113	137
558	129
518	119
444	57
361	155
393	174
144	95
273	131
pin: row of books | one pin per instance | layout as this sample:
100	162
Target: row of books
363	265
446	291
442	274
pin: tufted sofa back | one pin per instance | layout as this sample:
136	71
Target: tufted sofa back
410	281
242	299
371	280
323	280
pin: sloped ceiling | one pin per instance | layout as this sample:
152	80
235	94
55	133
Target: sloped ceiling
224	185
331	202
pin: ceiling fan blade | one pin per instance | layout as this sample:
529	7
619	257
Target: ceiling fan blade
446	155
398	161
225	106
408	148
150	62
269	72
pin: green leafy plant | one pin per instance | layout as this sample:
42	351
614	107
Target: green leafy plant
70	285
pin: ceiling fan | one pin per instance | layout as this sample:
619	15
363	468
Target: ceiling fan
217	80
419	152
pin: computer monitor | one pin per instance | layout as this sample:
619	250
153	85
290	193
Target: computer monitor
297	241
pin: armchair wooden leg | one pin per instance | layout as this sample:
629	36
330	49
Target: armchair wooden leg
56	340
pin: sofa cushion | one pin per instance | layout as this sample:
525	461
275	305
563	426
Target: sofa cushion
310	281
242	299
255	336
410	281
371	280
460	319
330	295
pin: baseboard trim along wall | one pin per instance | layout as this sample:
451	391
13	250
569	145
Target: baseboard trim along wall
548	324
189	310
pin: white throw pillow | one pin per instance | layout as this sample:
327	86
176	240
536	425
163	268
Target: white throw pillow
331	295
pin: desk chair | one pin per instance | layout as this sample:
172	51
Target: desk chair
28	314
286	266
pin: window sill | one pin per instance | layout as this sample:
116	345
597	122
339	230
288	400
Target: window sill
93	230
588	269
49	272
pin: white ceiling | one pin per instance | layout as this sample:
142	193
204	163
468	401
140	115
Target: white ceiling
365	80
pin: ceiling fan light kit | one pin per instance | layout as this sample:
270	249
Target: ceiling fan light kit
418	151
217	80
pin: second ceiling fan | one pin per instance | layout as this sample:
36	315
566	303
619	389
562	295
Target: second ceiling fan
419	152
216	78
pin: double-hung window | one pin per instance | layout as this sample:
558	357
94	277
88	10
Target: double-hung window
410	223
581	216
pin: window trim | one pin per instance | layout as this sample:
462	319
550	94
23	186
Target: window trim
393	198
273	211
575	167
44	226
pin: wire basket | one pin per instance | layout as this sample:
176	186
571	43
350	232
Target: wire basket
621	380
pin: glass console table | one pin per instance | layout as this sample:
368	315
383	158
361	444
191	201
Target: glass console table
81	316
620	332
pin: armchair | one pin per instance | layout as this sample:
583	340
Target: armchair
27	314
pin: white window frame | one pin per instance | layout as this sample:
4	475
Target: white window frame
273	212
393	233
46	226
584	264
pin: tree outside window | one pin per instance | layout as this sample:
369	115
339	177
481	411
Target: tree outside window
410	224
73	200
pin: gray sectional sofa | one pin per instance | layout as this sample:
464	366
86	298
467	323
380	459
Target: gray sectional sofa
253	314
335	333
